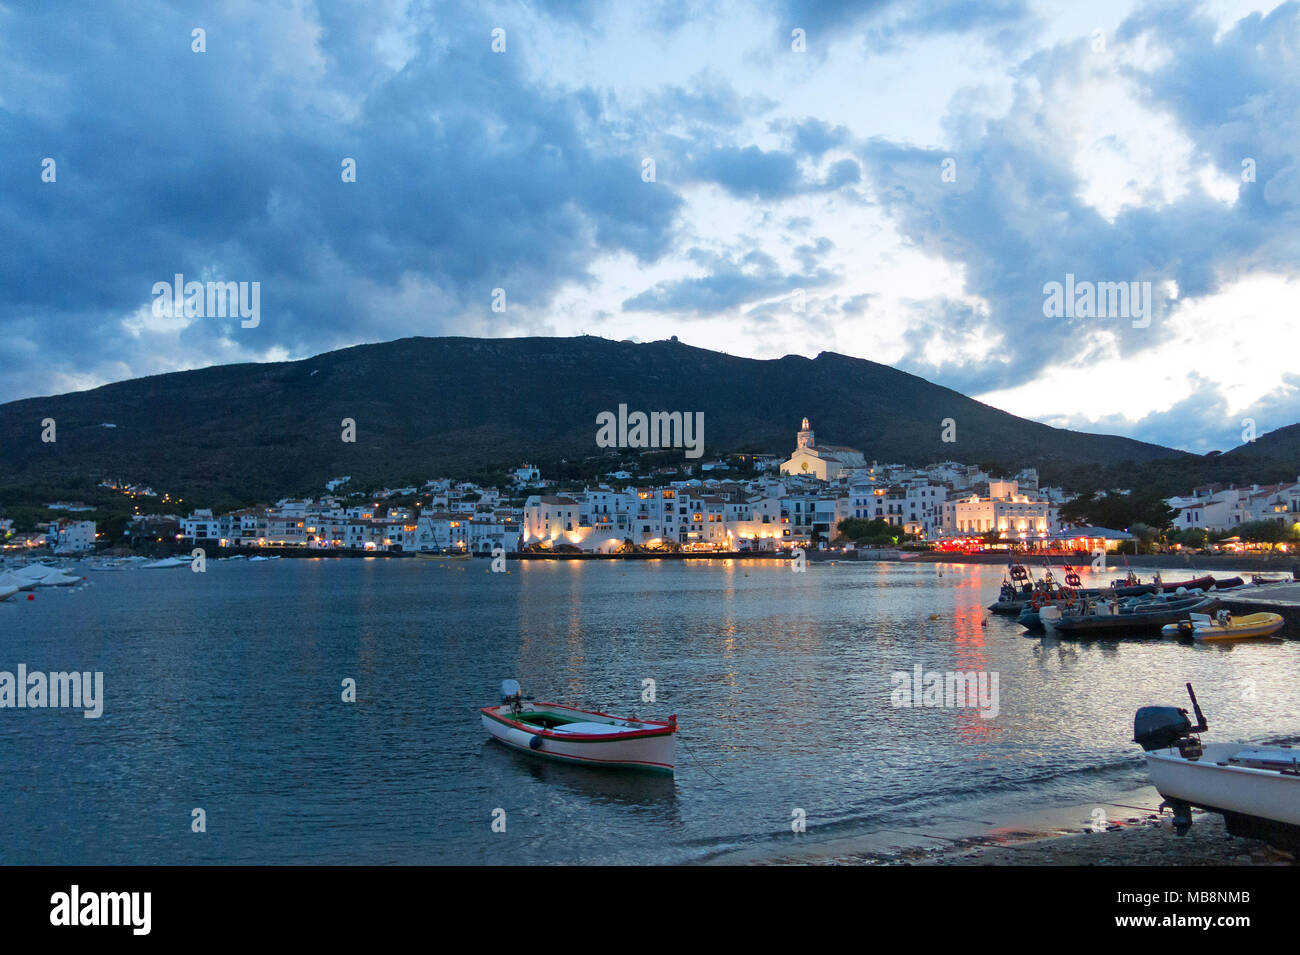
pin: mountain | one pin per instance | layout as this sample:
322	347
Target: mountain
458	406
1280	445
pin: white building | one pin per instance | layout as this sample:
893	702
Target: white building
201	526
1005	510
824	462
67	536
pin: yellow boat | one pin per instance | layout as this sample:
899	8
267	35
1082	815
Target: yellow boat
1224	626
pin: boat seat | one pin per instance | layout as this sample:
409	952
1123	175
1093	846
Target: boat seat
1264	759
590	728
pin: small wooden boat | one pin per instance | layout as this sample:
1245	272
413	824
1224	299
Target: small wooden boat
584	737
1255	788
425	555
1224	626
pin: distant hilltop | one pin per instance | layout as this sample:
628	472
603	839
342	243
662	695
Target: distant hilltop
422	406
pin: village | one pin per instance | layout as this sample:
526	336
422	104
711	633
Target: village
800	502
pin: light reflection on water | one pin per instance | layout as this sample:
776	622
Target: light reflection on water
223	693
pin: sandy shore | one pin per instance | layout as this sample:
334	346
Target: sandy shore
1141	840
1136	834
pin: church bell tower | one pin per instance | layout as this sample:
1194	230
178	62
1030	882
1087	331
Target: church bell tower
805	439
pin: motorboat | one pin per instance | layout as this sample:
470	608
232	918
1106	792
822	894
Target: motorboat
45	575
1228	583
1225	626
167	563
1256	788
1018	592
584	737
12	579
1196	583
1106	617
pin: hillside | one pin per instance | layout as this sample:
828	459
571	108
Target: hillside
428	406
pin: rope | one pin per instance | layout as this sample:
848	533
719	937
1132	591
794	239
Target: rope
698	763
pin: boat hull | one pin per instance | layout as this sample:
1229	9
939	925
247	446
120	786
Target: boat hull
1241	628
1258	802
1140	622
645	745
1196	583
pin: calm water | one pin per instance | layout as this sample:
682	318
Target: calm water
223	692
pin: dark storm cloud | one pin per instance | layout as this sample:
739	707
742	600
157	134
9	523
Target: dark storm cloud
226	165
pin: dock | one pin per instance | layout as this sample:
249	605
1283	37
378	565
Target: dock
1281	598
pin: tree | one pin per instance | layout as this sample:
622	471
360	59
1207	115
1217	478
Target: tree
1119	511
871	533
1264	532
1193	537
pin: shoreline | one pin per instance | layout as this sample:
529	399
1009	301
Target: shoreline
1135	834
1137	841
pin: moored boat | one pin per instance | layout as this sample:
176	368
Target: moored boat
583	737
1196	583
44	575
1225	626
1255	788
167	563
1103	618
11	579
1228	583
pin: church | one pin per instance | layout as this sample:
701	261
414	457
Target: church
826	461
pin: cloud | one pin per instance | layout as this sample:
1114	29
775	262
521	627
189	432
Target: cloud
470	177
729	282
1019	214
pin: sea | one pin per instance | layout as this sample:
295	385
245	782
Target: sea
326	711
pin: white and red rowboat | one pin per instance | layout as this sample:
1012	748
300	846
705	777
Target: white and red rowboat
585	737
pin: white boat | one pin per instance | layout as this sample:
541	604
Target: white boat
166	564
583	737
42	575
7	590
11	579
1224	626
1255	788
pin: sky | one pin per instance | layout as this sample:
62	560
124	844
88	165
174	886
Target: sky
902	182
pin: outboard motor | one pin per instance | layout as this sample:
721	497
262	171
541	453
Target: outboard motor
510	693
1161	727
